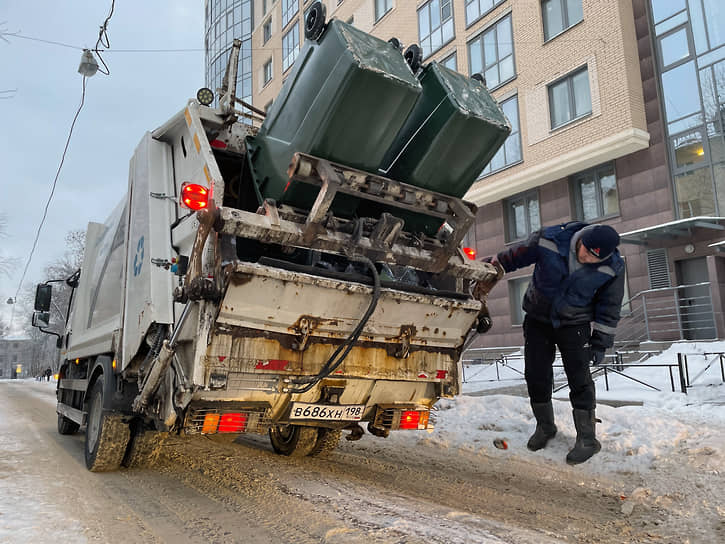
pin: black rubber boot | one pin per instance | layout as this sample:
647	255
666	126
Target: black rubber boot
545	428
586	441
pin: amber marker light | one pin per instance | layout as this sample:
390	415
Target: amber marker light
211	421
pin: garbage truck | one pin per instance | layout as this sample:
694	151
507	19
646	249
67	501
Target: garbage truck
267	275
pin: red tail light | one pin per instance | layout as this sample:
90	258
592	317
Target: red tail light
232	423
414	419
218	144
470	253
194	196
409	419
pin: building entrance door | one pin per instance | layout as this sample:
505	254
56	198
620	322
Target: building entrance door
695	302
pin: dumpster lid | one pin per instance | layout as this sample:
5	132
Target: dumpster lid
375	54
469	95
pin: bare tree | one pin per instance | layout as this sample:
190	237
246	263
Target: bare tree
45	354
4	327
7	264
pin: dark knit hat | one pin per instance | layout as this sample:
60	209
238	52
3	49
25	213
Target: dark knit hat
600	240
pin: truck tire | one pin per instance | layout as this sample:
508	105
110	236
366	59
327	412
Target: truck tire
144	448
293	440
106	434
327	441
66	426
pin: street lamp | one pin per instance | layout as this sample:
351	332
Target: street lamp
88	66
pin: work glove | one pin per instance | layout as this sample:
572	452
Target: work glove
597	356
600	341
484	324
493	259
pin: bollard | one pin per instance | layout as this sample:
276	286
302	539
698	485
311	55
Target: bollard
680	366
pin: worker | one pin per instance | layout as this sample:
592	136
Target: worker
573	302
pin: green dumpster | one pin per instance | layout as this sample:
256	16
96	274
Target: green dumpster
346	98
452	133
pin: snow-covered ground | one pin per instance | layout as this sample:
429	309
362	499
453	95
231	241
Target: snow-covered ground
633	436
662	448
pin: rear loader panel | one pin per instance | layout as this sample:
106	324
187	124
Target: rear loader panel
149	284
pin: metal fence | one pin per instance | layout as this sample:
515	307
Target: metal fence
684	312
679	372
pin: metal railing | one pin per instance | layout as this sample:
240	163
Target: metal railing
617	367
684	312
498	361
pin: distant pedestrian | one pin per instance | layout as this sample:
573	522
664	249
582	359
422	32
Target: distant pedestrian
578	283
48	373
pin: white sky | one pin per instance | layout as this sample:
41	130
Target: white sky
143	91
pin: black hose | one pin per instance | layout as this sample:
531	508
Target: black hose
331	365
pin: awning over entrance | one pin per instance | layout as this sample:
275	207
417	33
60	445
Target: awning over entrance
682	228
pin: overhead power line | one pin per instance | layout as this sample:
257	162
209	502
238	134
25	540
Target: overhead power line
102	40
99	50
52	191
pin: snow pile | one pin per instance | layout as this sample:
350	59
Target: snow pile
633	437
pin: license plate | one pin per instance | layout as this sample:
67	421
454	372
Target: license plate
324	412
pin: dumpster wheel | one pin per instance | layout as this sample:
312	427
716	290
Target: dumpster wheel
315	21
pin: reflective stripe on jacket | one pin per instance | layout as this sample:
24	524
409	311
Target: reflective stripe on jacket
561	295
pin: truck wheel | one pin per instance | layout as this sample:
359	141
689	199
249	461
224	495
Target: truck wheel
66	426
327	441
144	448
293	440
106	434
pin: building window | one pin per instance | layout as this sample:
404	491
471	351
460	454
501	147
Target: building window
695	193
674	48
558	15
510	151
290	47
451	62
492	54
435	25
522	216
289	8
382	7
267	31
691	61
267	70
264	7
475	9
569	98
595	193
517	290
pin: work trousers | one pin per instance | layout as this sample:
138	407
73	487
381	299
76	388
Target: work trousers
542	339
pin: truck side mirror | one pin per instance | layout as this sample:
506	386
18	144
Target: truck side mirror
41	319
43	293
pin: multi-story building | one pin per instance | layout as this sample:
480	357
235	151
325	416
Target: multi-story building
617	110
225	20
15	357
